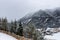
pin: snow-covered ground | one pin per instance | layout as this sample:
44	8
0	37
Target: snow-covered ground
55	36
4	36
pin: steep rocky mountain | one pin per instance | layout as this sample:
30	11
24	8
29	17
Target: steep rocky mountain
43	18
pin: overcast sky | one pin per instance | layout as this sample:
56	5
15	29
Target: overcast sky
15	9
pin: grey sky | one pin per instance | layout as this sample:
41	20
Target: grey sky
15	9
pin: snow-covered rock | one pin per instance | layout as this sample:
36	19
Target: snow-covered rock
4	36
55	36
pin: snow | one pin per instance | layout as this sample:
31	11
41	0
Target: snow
38	29
4	36
49	29
55	36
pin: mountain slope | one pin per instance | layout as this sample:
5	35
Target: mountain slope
43	18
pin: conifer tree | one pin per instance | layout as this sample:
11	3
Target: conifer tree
0	24
20	29
33	33
12	25
15	26
4	24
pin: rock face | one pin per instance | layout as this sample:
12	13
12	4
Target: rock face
43	18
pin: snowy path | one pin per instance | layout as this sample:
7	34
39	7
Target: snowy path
6	37
55	36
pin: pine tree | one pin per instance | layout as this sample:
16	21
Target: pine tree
33	33
29	30
0	24
4	24
12	25
20	30
15	26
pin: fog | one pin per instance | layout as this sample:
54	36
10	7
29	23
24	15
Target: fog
16	9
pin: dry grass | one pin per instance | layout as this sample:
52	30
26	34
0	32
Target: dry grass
14	35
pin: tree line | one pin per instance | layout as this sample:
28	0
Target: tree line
13	26
17	28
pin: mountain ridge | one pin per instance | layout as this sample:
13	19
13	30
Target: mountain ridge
44	18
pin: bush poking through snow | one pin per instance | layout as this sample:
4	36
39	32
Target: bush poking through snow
33	33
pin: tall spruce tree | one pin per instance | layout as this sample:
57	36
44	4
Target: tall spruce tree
4	24
15	26
12	25
0	24
20	30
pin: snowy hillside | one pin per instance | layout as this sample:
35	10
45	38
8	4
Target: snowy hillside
6	37
55	36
